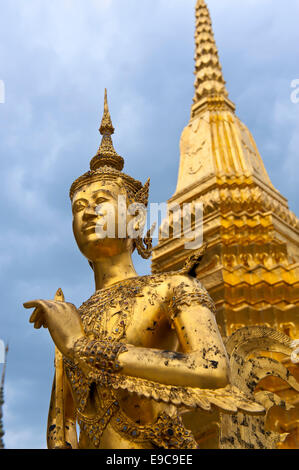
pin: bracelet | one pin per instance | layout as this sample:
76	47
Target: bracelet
101	354
200	298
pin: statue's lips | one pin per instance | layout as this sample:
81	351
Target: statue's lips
89	227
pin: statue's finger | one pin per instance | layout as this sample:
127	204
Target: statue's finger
36	314
31	304
38	324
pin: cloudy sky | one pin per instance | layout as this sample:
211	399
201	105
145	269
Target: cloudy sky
56	58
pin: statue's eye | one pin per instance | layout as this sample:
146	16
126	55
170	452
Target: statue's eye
79	206
100	200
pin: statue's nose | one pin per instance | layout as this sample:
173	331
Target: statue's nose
89	213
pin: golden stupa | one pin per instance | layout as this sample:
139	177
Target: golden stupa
250	266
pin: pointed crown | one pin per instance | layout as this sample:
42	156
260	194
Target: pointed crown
107	165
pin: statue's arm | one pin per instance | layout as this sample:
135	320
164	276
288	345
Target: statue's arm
202	363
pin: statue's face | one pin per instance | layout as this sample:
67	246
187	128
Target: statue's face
95	206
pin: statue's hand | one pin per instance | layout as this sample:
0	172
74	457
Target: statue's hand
61	318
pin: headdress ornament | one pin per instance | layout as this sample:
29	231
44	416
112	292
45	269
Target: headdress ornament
107	165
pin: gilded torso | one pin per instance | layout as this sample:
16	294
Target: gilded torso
138	312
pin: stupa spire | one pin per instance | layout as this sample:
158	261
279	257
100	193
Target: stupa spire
209	82
106	155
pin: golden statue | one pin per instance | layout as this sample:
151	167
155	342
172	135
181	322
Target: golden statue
142	351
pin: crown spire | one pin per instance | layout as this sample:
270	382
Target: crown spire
107	165
209	81
106	124
106	155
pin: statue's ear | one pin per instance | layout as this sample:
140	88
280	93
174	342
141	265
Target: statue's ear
142	219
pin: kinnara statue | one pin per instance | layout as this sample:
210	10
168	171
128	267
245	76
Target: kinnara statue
142	351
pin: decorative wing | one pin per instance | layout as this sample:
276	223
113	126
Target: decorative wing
248	367
227	399
193	261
